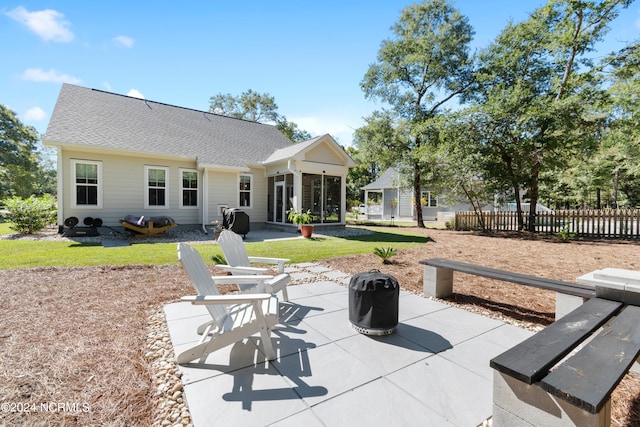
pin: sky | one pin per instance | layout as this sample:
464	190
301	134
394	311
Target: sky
310	56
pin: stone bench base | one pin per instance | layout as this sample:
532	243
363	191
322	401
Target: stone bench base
515	401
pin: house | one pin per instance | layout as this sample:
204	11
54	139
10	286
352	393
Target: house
120	156
387	198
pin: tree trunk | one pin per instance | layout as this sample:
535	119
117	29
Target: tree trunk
615	188
519	213
477	207
416	194
534	193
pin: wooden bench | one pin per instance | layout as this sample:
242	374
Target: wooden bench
148	229
535	383
438	282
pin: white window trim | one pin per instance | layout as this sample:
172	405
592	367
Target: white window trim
181	171
428	195
74	200
251	185
146	187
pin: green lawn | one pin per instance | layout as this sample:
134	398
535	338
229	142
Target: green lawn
4	228
30	254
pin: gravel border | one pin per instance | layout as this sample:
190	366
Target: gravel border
177	234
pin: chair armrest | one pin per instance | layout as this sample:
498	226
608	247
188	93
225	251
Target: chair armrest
244	270
234	280
276	261
225	299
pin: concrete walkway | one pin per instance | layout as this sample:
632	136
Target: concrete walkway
433	371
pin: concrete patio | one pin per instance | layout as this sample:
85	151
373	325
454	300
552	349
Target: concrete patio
433	371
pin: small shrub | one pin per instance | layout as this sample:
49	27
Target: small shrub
219	259
564	234
385	254
31	215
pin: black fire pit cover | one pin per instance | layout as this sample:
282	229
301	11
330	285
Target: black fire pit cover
373	303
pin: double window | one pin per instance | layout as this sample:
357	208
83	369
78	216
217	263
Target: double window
86	182
156	190
429	199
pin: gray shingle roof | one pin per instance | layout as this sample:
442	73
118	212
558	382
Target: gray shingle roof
388	179
94	118
289	152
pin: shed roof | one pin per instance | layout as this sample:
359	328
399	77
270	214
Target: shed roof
91	118
389	179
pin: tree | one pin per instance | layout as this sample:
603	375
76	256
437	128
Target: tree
256	107
249	105
20	171
378	141
620	142
533	99
291	130
365	172
425	65
462	166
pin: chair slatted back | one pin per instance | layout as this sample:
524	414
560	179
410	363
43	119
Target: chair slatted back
233	249
202	281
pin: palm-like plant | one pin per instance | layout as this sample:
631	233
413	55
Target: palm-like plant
385	254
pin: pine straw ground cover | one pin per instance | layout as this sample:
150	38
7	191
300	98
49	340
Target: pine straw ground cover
79	336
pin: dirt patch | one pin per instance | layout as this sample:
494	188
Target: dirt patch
77	336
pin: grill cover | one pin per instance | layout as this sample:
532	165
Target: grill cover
236	220
373	302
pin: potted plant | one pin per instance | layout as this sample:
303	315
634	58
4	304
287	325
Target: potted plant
302	219
217	229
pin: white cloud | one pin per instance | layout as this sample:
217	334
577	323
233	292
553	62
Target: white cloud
135	93
35	114
48	24
107	86
124	41
39	75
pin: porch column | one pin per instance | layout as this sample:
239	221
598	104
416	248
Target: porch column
366	204
205	199
60	186
297	190
343	199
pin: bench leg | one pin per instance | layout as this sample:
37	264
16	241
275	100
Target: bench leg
437	282
518	404
565	304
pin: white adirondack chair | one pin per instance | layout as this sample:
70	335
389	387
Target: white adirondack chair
234	317
239	262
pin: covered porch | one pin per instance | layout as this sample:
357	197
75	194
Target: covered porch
308	176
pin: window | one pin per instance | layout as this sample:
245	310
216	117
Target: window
86	183
156	179
322	195
245	191
189	188
429	199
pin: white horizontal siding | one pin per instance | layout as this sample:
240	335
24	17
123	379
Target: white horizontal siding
123	187
224	190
